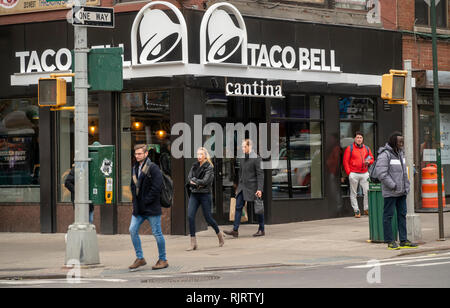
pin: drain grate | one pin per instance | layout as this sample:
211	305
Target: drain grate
181	279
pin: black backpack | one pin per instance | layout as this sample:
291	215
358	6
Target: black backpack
373	176
166	189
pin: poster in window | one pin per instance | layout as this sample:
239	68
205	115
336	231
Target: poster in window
17	160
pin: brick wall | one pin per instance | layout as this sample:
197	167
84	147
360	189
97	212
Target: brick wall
419	51
389	14
405	12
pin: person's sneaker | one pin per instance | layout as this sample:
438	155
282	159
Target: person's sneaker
160	265
357	214
393	246
366	212
407	244
138	263
232	233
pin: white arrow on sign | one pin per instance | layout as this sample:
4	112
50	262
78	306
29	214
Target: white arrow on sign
429	2
93	16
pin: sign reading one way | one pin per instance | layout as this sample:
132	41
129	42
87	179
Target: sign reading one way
93	16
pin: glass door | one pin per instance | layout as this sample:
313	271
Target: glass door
229	110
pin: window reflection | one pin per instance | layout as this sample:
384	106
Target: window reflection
66	139
299	170
19	150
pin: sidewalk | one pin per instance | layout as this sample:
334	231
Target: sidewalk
322	242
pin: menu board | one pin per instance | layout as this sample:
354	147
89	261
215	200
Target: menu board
8	7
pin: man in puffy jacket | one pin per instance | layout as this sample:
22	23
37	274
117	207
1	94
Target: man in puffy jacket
392	173
357	159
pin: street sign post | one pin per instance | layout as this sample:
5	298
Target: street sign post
82	245
437	118
93	16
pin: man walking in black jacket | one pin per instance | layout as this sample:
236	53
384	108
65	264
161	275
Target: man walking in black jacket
146	186
251	184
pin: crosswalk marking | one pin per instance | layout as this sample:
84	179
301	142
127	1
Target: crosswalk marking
429	264
405	261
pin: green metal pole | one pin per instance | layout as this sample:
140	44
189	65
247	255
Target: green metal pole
437	119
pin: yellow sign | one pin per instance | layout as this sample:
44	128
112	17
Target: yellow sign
8	7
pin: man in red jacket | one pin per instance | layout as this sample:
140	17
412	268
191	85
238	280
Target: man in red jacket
357	159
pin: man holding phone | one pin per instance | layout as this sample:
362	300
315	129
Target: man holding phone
357	159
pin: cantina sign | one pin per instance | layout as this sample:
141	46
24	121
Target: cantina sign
255	89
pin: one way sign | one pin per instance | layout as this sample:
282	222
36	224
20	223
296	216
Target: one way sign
93	16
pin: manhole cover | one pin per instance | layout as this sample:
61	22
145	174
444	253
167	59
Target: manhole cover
180	279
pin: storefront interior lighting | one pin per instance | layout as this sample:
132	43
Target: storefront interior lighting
138	125
161	134
92	128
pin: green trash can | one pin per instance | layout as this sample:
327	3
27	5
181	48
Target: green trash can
376	207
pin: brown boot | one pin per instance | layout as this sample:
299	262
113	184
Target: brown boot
232	233
193	244
160	265
259	233
220	237
138	263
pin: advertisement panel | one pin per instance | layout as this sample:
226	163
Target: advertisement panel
8	7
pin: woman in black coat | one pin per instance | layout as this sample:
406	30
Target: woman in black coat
200	180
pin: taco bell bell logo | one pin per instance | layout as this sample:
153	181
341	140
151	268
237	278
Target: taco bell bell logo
158	34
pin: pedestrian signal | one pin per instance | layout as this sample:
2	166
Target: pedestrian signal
52	92
393	86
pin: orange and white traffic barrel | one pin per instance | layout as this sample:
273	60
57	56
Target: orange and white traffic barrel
430	187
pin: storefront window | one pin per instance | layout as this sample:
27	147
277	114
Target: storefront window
356	114
66	139
427	137
422	13
144	119
19	150
299	170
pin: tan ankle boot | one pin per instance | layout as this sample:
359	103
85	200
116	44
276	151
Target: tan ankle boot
220	237
193	244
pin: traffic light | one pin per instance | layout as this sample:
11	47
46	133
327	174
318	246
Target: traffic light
393	87
52	92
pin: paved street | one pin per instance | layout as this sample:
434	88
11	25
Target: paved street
424	270
324	253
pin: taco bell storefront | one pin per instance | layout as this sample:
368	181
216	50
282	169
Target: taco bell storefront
188	77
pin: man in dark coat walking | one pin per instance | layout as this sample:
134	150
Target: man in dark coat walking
251	184
146	186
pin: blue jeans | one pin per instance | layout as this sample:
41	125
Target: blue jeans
390	204
195	200
155	223
91	217
240	202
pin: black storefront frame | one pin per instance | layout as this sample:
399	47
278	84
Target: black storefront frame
185	89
